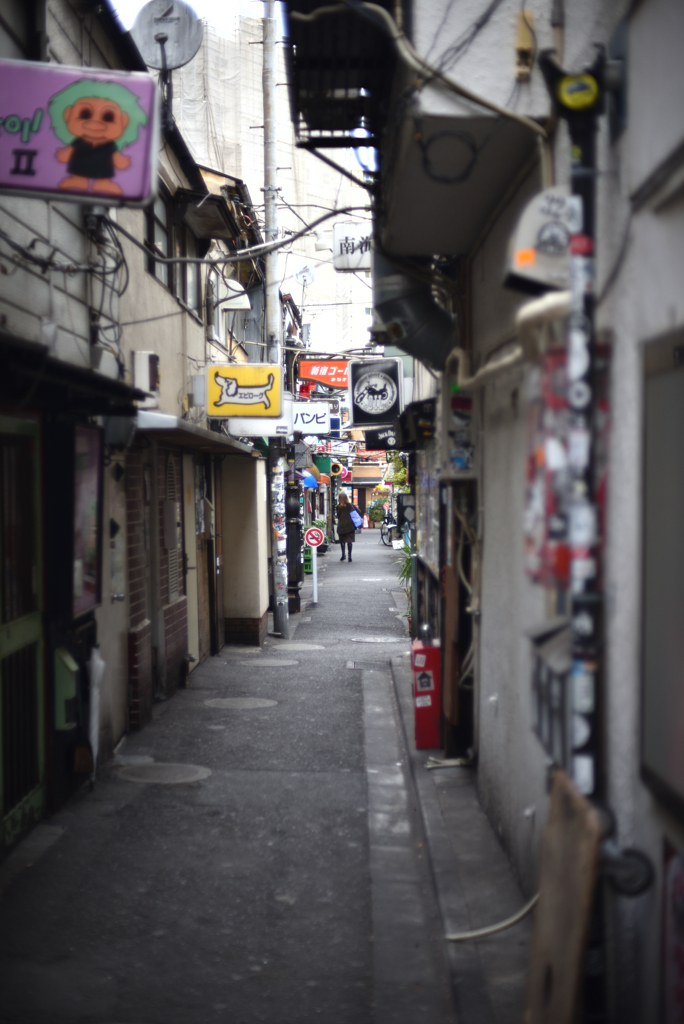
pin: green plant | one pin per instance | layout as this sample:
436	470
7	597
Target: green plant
376	514
322	525
397	471
404	563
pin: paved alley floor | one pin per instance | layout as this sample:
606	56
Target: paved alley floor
277	885
259	851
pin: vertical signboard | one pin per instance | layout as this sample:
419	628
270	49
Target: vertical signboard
375	392
312	417
352	246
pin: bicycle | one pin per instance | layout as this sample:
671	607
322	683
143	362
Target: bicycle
386	531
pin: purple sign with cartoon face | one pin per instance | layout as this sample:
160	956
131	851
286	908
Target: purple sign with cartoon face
78	133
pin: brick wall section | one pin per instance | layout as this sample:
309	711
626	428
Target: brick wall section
162	463
176	629
140	675
135	536
246	631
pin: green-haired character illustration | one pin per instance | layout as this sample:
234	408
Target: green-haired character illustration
96	120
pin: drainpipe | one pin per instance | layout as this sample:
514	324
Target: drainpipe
277	463
553	306
156	607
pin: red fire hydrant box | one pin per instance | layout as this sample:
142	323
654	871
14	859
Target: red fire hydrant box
426	665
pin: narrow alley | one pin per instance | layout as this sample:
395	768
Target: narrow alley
259	851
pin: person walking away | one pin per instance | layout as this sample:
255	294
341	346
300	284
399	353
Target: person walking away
346	530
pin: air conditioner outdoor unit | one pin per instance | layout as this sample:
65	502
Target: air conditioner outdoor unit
146	377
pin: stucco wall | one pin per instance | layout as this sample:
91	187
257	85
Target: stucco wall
245	538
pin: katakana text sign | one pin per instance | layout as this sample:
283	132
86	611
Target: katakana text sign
252	389
312	417
82	134
332	372
352	246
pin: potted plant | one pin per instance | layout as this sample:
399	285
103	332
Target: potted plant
404	563
376	515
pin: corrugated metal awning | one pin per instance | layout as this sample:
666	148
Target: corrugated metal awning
188	435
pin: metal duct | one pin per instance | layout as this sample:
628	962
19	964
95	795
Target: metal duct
411	317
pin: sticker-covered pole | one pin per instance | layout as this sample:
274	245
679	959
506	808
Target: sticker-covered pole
314	579
578	100
281	623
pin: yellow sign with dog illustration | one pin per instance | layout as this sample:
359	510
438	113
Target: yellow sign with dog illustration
251	389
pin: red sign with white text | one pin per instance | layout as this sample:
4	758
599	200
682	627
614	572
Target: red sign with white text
332	372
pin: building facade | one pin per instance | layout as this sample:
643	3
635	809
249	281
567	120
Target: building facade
468	135
135	537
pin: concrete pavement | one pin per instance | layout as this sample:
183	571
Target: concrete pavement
263	850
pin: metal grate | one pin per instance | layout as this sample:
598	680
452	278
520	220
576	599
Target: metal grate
18	679
340	73
174	581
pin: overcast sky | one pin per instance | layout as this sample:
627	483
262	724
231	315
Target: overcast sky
215	11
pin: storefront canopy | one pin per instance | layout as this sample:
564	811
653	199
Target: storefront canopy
189	435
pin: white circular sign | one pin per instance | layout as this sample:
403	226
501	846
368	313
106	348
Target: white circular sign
173	24
313	537
386	506
375	393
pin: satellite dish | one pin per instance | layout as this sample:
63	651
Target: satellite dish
168	34
305	276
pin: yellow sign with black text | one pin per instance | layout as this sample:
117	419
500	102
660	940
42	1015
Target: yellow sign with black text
251	389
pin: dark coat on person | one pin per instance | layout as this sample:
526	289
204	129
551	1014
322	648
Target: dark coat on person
346	530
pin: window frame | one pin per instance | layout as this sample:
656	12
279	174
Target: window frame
159	270
180	279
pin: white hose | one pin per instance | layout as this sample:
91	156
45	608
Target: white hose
493	929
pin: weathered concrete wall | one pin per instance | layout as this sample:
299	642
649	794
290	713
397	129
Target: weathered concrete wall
645	300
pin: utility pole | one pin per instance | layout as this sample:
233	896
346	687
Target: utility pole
578	99
277	462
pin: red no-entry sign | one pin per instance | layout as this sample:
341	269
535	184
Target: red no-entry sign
313	537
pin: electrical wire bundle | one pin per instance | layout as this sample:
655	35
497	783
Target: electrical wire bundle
110	271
